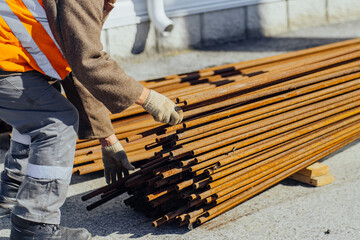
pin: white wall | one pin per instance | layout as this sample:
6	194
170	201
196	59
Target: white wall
199	23
129	12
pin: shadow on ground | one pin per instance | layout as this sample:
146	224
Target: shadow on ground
113	217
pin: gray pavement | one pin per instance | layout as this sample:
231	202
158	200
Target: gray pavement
289	210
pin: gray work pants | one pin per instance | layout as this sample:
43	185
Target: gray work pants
38	110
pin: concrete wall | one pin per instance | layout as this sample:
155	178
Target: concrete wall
246	22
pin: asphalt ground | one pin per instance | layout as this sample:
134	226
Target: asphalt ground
288	210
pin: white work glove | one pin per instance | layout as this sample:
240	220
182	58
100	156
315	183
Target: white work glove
162	109
115	162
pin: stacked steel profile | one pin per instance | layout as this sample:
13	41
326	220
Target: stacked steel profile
247	126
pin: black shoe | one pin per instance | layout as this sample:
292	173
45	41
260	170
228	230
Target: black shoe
8	190
23	230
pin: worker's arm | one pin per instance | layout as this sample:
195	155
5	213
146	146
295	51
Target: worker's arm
93	115
94	120
77	28
116	163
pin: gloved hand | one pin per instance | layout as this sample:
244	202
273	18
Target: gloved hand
162	109
115	162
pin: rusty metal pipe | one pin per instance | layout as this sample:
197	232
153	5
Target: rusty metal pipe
153	196
277	161
328	120
302	60
262	166
240	133
216	127
277	121
246	64
267	78
255	155
185	184
285	137
291	84
237	199
262	92
283	142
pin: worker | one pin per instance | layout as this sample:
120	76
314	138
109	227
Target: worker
42	41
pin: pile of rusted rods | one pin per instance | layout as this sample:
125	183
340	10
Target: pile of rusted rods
136	129
272	118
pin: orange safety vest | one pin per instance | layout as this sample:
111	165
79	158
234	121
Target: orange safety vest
26	40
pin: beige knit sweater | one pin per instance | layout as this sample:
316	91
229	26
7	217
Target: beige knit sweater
99	80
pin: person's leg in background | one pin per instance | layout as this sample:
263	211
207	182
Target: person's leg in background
36	109
15	165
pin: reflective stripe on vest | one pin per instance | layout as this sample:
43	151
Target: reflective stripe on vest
28	22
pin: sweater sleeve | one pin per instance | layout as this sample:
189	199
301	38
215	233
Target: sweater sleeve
78	27
94	120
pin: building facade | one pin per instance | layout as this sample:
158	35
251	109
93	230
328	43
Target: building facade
199	23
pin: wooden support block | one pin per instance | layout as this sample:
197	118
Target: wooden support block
315	170
315	181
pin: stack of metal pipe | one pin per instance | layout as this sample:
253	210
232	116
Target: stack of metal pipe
246	127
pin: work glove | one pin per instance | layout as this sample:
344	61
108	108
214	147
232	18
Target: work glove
162	109
115	162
